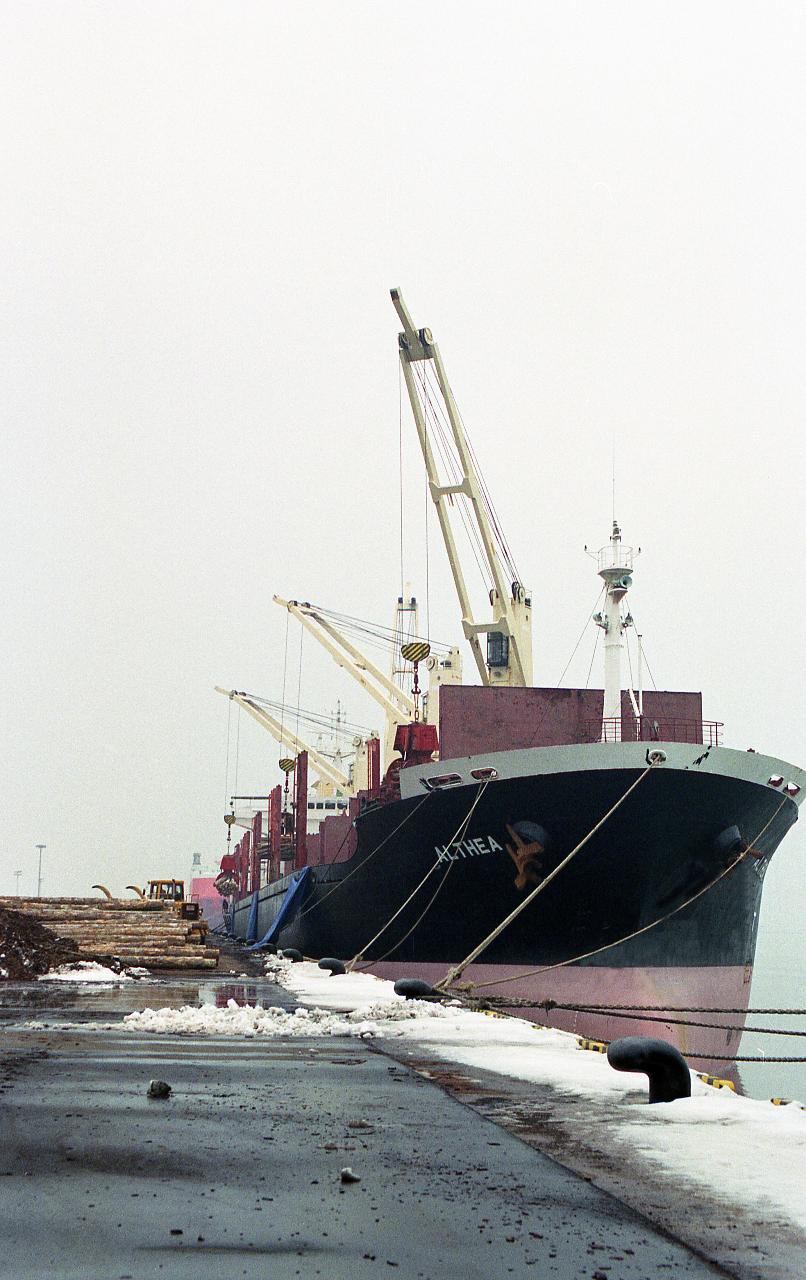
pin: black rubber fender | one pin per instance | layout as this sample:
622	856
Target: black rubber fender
669	1076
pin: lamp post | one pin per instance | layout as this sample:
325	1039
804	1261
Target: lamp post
40	847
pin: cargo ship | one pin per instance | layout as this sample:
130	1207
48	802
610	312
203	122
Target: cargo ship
592	857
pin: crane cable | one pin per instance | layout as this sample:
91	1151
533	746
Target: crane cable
226	766
447	455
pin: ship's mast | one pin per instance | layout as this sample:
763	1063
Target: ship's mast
615	567
508	660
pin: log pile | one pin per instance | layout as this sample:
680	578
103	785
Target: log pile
151	934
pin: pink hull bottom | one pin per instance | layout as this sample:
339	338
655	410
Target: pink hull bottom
713	988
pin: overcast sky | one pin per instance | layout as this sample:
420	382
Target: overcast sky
598	210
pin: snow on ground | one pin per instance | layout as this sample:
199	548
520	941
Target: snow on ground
86	971
247	1020
754	1153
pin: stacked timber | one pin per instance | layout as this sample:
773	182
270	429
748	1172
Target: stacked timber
151	934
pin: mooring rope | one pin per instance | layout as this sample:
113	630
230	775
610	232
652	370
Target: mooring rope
586	955
657	1008
726	1057
645	1017
457	837
363	863
458	970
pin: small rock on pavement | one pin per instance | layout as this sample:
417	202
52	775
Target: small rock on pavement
159	1089
347	1175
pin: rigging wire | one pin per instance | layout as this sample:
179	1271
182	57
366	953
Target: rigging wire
663	708
400	463
348	727
447	454
427	566
649	669
285	672
504	547
593	658
226	768
629	658
545	711
237	747
579	641
299	678
382	636
506	550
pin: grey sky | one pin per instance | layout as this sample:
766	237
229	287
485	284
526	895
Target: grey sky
598	210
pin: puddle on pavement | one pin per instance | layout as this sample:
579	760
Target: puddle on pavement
89	1002
255	992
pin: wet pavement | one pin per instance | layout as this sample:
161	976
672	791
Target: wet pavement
55	1003
238	1172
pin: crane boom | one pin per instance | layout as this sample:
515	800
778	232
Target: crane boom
327	771
512	609
391	697
397	704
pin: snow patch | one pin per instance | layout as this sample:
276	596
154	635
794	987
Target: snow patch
250	1020
752	1151
86	971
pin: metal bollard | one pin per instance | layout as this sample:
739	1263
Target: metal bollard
415	989
669	1076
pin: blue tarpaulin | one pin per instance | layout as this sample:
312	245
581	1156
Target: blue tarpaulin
251	928
292	899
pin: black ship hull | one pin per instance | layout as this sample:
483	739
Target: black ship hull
646	913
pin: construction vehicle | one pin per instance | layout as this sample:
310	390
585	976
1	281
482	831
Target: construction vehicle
168	891
173	891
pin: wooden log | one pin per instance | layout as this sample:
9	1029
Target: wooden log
119	948
127	948
84	926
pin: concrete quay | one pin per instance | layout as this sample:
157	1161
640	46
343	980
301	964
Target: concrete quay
238	1173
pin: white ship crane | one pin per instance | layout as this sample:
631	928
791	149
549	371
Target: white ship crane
325	768
508	660
399	706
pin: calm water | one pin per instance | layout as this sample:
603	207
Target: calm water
779	981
